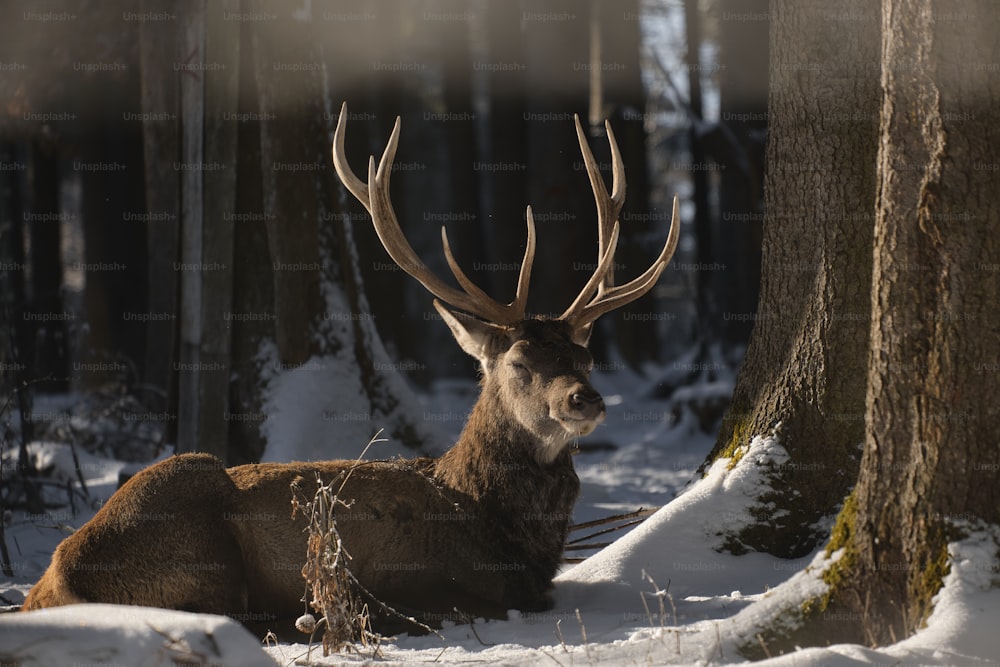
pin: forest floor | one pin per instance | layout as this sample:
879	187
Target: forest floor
663	593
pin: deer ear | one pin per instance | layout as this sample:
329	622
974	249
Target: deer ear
472	334
581	335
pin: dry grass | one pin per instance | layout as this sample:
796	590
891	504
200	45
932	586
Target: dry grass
331	588
344	616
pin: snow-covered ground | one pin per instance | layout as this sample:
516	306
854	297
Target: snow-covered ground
661	594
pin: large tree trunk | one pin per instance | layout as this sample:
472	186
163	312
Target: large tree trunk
806	362
931	456
253	286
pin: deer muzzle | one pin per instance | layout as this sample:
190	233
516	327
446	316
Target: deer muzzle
584	410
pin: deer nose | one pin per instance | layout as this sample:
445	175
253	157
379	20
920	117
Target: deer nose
587	403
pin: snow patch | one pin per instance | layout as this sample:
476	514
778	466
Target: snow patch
317	411
112	634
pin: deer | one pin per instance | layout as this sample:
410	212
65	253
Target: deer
478	531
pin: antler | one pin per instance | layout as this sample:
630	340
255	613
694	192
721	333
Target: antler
599	295
374	196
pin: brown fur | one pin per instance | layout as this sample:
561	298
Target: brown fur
480	529
160	541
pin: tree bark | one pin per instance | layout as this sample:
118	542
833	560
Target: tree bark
929	470
805	367
208	96
292	162
253	287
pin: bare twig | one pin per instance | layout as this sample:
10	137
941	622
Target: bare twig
763	645
583	634
472	626
641	512
550	657
584	547
630	520
559	634
629	524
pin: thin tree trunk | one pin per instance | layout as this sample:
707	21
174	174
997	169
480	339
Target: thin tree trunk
208	95
222	40
557	80
504	185
47	355
291	162
707	312
192	152
158	50
743	84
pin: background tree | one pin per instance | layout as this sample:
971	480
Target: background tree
743	85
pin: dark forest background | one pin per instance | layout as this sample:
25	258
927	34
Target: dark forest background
168	204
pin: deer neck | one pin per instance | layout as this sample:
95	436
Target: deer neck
495	461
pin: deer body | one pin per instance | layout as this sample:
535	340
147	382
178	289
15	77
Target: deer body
422	549
475	531
479	530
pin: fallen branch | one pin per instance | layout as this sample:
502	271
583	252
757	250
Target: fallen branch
641	512
628	520
634	522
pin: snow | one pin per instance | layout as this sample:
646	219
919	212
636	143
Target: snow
323	412
663	593
110	634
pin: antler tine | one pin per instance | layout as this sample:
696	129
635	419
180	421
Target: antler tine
355	185
616	297
516	309
457	271
608	207
524	278
592	286
374	196
402	253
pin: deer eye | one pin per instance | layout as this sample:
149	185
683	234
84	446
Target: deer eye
520	369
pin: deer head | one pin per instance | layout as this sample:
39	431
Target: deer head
535	368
